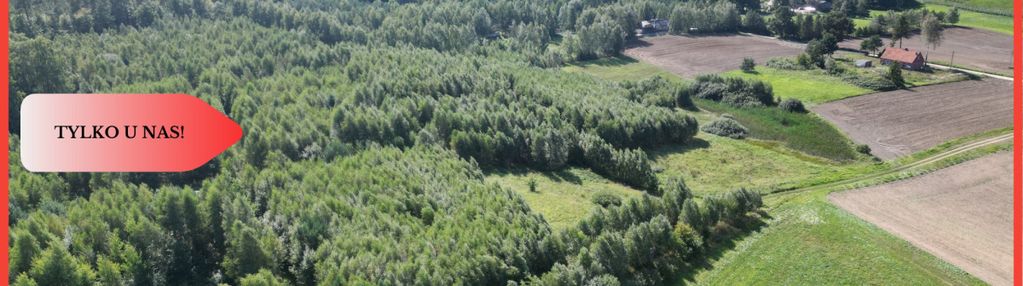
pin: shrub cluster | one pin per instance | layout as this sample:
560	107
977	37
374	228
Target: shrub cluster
863	149
658	91
726	127
783	64
733	91
792	105
629	166
748	65
605	198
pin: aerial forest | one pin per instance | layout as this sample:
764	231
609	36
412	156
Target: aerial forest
368	126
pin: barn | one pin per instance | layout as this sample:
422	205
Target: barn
907	58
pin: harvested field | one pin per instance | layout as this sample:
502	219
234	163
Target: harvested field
689	56
978	49
962	214
902	122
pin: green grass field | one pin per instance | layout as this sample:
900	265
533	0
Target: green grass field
714	164
1003	7
804	132
990	4
860	22
562	197
811	242
997	23
812	87
619	68
1001	24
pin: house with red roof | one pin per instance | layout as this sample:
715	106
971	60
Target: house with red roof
908	59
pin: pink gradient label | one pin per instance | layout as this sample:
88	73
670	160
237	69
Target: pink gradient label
121	132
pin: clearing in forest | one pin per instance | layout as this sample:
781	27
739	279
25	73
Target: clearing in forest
563	197
901	122
689	56
962	214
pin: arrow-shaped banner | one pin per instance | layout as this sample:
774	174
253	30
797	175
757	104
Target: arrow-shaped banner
121	132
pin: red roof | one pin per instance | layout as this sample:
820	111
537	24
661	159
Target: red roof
901	55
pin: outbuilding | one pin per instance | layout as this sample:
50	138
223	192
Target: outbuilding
864	63
906	58
654	25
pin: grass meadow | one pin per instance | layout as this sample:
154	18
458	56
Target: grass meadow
811	87
620	68
562	197
972	19
714	164
804	132
1001	24
809	241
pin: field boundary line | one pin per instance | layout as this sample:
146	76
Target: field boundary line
977	144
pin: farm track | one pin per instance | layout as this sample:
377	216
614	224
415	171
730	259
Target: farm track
974	145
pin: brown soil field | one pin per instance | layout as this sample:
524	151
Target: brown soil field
689	56
974	48
902	122
962	214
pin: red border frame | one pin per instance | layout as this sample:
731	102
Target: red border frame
4	168
1017	165
1017	141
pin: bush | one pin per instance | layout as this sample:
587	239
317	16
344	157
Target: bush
863	148
894	75
792	105
532	185
783	64
606	198
748	65
805	61
690	238
832	67
726	127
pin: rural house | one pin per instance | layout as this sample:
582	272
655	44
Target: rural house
908	59
654	25
811	7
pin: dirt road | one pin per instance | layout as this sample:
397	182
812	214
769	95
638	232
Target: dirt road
962	214
902	122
